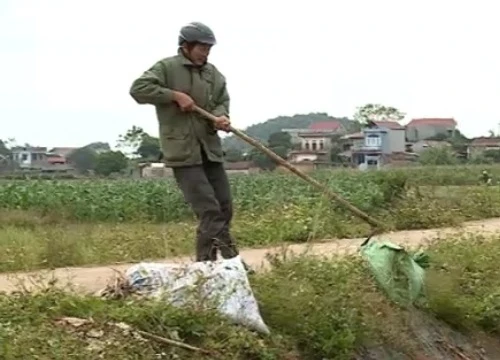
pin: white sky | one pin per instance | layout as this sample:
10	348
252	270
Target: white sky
66	66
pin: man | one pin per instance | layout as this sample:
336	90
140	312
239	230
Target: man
486	177
190	144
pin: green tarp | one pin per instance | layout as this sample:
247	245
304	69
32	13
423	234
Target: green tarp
399	273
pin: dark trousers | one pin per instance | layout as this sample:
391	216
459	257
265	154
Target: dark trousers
206	189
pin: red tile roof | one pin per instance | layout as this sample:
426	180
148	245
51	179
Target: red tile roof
485	141
433	121
55	159
393	125
325	125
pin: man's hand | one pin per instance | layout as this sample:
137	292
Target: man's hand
184	101
222	123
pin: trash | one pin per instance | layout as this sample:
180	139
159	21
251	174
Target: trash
221	284
400	274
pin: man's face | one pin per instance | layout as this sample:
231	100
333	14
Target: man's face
198	53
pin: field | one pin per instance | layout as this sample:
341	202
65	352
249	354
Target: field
63	223
336	309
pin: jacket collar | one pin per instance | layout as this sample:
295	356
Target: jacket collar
186	62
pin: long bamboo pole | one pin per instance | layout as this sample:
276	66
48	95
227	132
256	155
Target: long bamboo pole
377	225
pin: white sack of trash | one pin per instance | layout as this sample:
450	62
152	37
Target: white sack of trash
221	284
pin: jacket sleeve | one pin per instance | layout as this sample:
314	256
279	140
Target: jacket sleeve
151	87
222	102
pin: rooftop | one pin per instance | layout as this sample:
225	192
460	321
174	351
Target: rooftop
358	135
485	141
331	125
392	125
433	121
37	149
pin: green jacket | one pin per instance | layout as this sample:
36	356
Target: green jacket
182	133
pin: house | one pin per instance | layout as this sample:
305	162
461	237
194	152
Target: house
29	157
330	127
240	167
316	141
425	128
156	170
383	141
423	145
482	144
313	147
59	155
351	141
153	170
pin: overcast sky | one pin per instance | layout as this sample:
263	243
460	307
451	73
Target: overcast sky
66	66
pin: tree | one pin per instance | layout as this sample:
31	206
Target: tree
110	162
280	138
98	146
4	150
480	158
132	137
4	154
438	156
149	148
83	159
493	156
377	112
335	152
280	143
262	160
141	143
234	155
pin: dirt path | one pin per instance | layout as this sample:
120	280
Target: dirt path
91	279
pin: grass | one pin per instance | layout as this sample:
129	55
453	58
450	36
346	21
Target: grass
316	309
30	241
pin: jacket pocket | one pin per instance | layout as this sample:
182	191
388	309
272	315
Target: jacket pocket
176	145
214	144
175	133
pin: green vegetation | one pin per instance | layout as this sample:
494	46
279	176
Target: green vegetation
63	223
160	201
316	309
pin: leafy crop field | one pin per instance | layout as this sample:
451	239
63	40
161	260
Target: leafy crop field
160	201
47	223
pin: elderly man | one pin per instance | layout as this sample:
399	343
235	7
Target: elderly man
190	144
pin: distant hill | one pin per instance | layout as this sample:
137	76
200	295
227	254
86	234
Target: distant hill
262	131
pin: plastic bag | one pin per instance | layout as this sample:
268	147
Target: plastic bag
222	284
400	274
